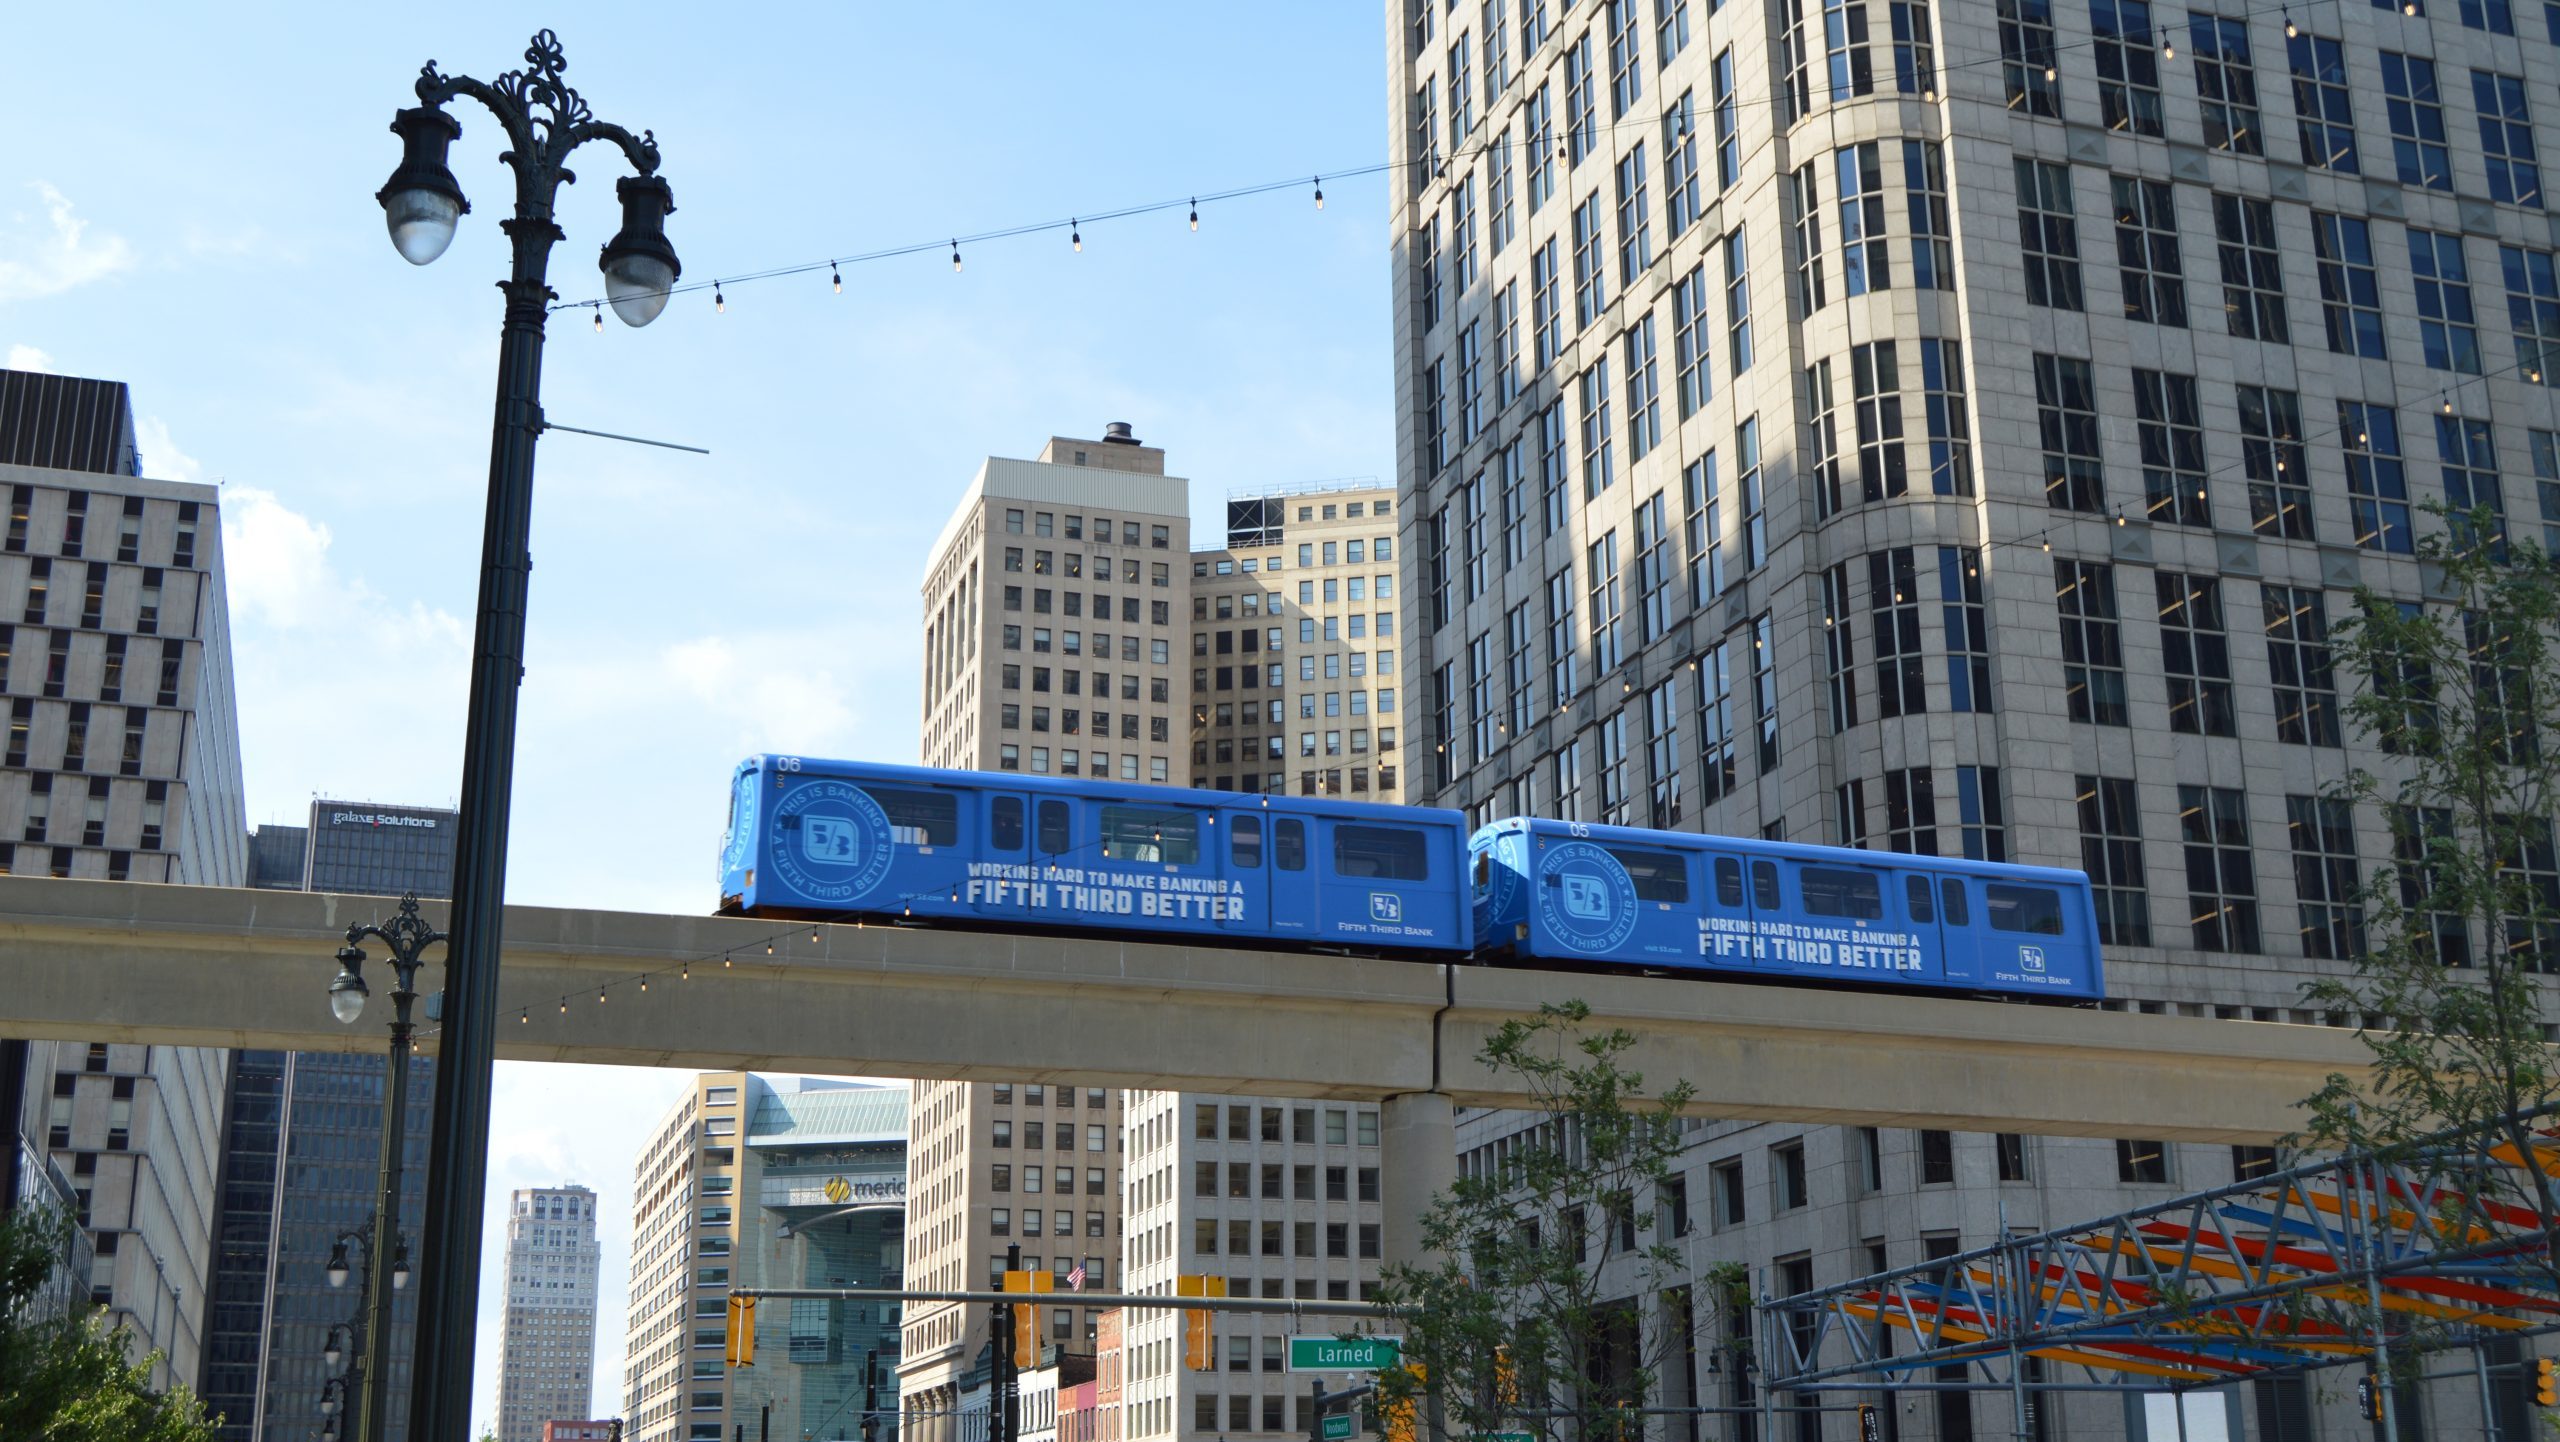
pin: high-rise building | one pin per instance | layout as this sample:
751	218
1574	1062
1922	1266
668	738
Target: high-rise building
1277	1198
121	761
1779	456
748	1183
301	1155
547	1356
992	1166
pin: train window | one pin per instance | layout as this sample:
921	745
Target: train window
1289	844
1004	824
2036	910
1244	840
1658	875
1764	886
1916	891
1056	838
1841	893
919	818
1150	833
1728	881
1951	891
1484	871
1380	853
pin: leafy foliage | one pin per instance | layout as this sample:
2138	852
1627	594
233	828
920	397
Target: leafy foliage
2458	692
1531	1318
64	1376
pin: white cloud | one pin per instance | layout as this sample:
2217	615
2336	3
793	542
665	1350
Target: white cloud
278	561
27	358
758	685
160	455
53	256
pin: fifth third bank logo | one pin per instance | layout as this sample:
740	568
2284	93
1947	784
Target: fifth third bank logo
829	839
1385	906
1586	897
2031	958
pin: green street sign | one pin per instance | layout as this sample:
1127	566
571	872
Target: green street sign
1502	1437
1339	1427
1344	1354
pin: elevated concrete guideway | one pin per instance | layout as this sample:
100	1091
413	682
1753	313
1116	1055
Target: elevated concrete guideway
203	966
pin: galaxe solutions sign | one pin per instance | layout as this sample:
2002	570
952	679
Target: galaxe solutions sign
381	818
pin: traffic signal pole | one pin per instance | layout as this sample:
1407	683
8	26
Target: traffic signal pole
1321	1402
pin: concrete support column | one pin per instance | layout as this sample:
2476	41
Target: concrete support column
1417	1160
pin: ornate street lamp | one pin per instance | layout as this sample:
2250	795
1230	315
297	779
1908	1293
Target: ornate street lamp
545	120
387	1266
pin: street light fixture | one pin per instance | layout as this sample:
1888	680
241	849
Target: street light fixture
544	120
386	1252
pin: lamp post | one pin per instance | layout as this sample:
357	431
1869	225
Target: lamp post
544	120
386	1266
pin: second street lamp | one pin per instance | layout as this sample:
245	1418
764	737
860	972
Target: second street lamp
545	120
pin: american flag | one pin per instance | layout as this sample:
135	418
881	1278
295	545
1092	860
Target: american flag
1075	1279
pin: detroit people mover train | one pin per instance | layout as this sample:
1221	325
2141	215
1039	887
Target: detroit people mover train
843	840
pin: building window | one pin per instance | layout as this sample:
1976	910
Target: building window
1653	569
1635	217
2170	426
2298	667
1737	303
2252	281
1662	754
1915	48
1601	565
2321	103
2128	63
2533	312
1644	391
2144	1162
2350	287
1679	164
2027	70
1764	690
1965	620
1893	605
1728	122
1865	264
1821	440
2377	484
1876	379
2226	83
2222	888
2417	121
1690	341
2111	854
2067	419
1924	185
2271	453
1590	275
2325	876
1937	1158
1982	827
1715	723
1599	446
2195	653
2506	138
1911	811
2469	452
1787	1176
1804	189
1840	648
2149	265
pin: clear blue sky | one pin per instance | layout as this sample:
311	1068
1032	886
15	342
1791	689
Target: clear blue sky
186	203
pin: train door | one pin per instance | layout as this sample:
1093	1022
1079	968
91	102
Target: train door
1923	915
1959	946
1293	907
1247	905
1053	839
1008	833
1725	936
1772	929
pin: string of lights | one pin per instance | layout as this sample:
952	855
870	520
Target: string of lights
1563	134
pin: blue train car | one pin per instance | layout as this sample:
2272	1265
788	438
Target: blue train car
811	838
1680	902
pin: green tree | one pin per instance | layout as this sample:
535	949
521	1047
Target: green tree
64	1375
1532	1315
2458	692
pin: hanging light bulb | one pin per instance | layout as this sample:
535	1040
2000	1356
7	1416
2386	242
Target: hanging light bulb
1195	212
813	938
2048	73
2291	30
1929	92
1319	192
2168	48
955	255
564	1006
599	320
685	972
525	1017
2048	548
2448	403
599	996
719	302
835	275
768	948
1075	237
644	986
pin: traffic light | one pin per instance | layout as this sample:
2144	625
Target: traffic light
1395	1415
1506	1377
1196	1348
742	1332
2546	1382
1026	1316
1870	1425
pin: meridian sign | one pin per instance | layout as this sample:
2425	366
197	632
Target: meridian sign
1344	1354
